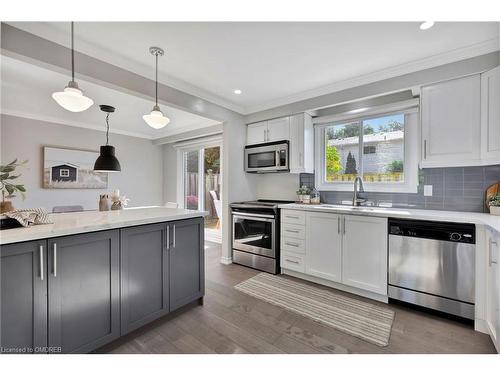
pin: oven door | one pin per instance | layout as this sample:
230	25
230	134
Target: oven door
254	233
272	158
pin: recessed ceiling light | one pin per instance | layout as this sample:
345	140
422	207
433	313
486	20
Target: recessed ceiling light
237	92
426	25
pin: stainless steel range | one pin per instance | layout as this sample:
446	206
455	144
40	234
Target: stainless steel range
256	233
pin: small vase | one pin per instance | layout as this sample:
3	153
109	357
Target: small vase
495	210
6	206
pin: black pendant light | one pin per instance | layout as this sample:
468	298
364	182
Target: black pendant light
107	161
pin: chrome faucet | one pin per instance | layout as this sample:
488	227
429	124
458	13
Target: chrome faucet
358	196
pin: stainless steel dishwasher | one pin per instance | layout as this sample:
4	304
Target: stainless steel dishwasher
432	264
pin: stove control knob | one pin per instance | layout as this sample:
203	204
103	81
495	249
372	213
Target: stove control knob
455	236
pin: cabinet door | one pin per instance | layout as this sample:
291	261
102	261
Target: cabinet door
490	116
278	129
364	256
324	245
84	297
187	262
257	133
451	117
301	144
144	275
23	297
493	289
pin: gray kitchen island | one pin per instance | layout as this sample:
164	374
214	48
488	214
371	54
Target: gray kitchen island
91	277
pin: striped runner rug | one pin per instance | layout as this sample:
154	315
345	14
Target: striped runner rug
361	319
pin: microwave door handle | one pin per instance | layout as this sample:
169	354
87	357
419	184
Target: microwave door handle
278	160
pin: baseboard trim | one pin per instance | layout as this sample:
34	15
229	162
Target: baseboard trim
226	260
332	284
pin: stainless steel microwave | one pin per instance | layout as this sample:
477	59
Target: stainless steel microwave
267	157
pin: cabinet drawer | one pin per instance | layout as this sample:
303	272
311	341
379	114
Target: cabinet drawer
294	262
295	245
293	217
293	231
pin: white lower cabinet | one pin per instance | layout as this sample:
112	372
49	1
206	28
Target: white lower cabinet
349	250
324	246
364	256
493	288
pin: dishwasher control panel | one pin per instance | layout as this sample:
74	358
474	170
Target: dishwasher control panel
436	230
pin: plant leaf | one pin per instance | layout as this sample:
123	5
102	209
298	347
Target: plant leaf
4	176
10	189
13	162
21	188
13	177
6	168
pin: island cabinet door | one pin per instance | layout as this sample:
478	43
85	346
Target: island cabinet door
144	275
84	299
187	263
23	314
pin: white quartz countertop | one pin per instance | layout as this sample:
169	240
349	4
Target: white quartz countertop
92	221
491	221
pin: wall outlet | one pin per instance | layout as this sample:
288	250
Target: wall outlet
427	190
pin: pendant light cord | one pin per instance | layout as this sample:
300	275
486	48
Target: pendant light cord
72	52
156	79
107	129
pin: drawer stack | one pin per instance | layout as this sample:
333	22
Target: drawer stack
293	238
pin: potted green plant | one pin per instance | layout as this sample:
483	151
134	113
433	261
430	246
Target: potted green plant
494	205
303	194
8	186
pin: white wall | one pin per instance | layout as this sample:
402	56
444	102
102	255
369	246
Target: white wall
141	178
169	172
281	186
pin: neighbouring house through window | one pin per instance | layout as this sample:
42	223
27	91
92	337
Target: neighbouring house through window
377	148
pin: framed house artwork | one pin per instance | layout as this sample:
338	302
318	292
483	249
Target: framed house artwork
65	168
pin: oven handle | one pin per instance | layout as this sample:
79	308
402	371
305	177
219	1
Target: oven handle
254	216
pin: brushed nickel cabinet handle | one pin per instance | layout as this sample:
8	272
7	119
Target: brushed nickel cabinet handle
54	260
292	261
425	148
40	248
338	225
292	217
490	255
291	244
344	224
174	237
292	231
168	237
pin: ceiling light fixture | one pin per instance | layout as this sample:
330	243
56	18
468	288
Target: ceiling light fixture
156	119
107	161
426	25
237	91
72	98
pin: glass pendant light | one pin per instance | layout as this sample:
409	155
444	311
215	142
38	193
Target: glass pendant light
156	119
72	98
107	161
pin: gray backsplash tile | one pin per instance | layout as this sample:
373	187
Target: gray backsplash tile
453	189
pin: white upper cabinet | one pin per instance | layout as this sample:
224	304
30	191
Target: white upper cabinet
451	118
278	129
490	116
324	245
364	260
257	133
301	144
297	129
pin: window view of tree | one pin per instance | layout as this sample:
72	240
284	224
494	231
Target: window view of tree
382	159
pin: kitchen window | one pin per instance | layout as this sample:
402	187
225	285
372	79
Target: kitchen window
380	148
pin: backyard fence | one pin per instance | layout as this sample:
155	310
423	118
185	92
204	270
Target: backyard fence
212	182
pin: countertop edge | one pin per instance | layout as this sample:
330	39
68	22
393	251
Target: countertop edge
493	222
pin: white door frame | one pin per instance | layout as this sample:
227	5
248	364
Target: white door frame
196	145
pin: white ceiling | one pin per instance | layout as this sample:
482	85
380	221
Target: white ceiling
27	89
273	63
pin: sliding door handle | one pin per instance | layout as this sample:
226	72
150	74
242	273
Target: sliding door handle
40	249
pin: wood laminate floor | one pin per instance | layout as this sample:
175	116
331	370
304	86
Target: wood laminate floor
232	322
